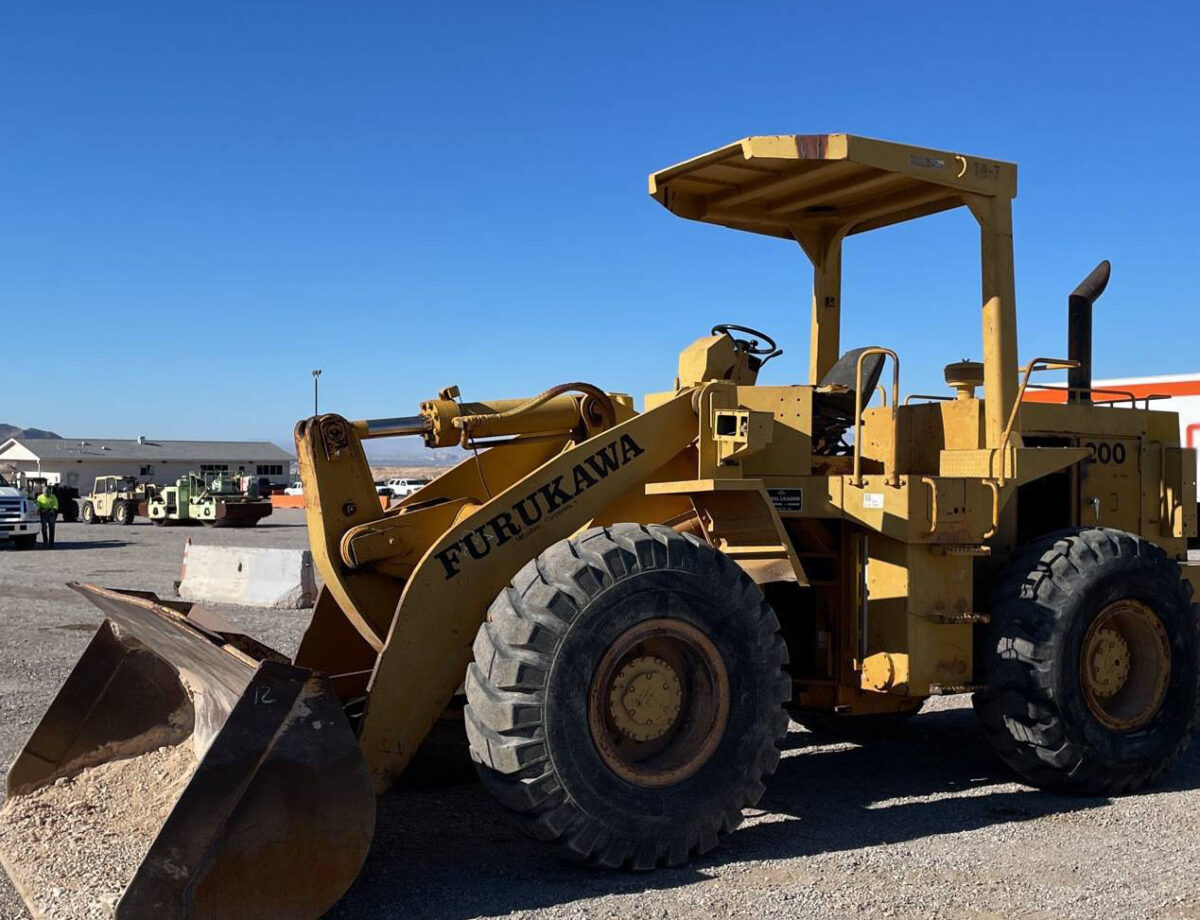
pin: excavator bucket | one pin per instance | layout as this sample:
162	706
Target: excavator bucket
185	771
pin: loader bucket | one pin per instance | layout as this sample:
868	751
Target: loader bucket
185	771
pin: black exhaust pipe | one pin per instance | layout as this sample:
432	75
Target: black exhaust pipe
1079	332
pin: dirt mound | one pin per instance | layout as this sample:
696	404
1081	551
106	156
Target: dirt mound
73	846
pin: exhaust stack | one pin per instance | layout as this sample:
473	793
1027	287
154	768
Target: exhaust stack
1079	332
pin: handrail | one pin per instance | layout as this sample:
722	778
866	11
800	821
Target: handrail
933	502
1122	395
894	476
1055	388
911	396
991	532
1047	364
1134	401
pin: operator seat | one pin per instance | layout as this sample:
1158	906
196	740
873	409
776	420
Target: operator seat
833	412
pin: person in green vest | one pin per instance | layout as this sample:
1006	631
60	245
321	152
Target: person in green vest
47	504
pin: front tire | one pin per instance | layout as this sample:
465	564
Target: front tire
89	513
123	513
1092	663
625	703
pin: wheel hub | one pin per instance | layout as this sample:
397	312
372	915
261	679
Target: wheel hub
1108	658
645	698
658	702
1125	665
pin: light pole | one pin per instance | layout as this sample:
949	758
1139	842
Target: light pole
316	393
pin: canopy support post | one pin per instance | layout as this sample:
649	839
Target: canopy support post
824	249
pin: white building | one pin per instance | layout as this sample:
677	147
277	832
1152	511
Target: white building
77	462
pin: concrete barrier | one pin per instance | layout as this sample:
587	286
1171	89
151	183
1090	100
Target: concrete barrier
248	576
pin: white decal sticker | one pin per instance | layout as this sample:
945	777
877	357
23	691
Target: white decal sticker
872	499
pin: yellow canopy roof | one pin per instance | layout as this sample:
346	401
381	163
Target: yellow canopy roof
781	184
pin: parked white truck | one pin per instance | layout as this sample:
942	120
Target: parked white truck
19	520
401	488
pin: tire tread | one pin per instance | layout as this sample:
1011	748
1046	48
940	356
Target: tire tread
1018	710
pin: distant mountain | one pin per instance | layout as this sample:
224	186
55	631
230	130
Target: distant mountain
392	451
398	452
12	431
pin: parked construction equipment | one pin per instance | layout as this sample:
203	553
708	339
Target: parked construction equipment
635	601
214	501
67	496
115	498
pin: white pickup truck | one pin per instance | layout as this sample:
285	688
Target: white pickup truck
19	519
401	488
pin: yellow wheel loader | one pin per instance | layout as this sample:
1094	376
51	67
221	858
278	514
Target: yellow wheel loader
635	601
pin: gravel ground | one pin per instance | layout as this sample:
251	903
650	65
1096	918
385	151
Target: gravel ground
928	825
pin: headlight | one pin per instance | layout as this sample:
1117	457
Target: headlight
31	508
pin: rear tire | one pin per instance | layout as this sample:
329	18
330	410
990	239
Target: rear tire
625	703
1092	663
89	513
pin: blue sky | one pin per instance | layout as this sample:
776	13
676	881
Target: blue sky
203	202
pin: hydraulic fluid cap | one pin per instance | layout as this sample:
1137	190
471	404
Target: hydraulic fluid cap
964	376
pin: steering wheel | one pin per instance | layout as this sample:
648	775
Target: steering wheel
766	351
